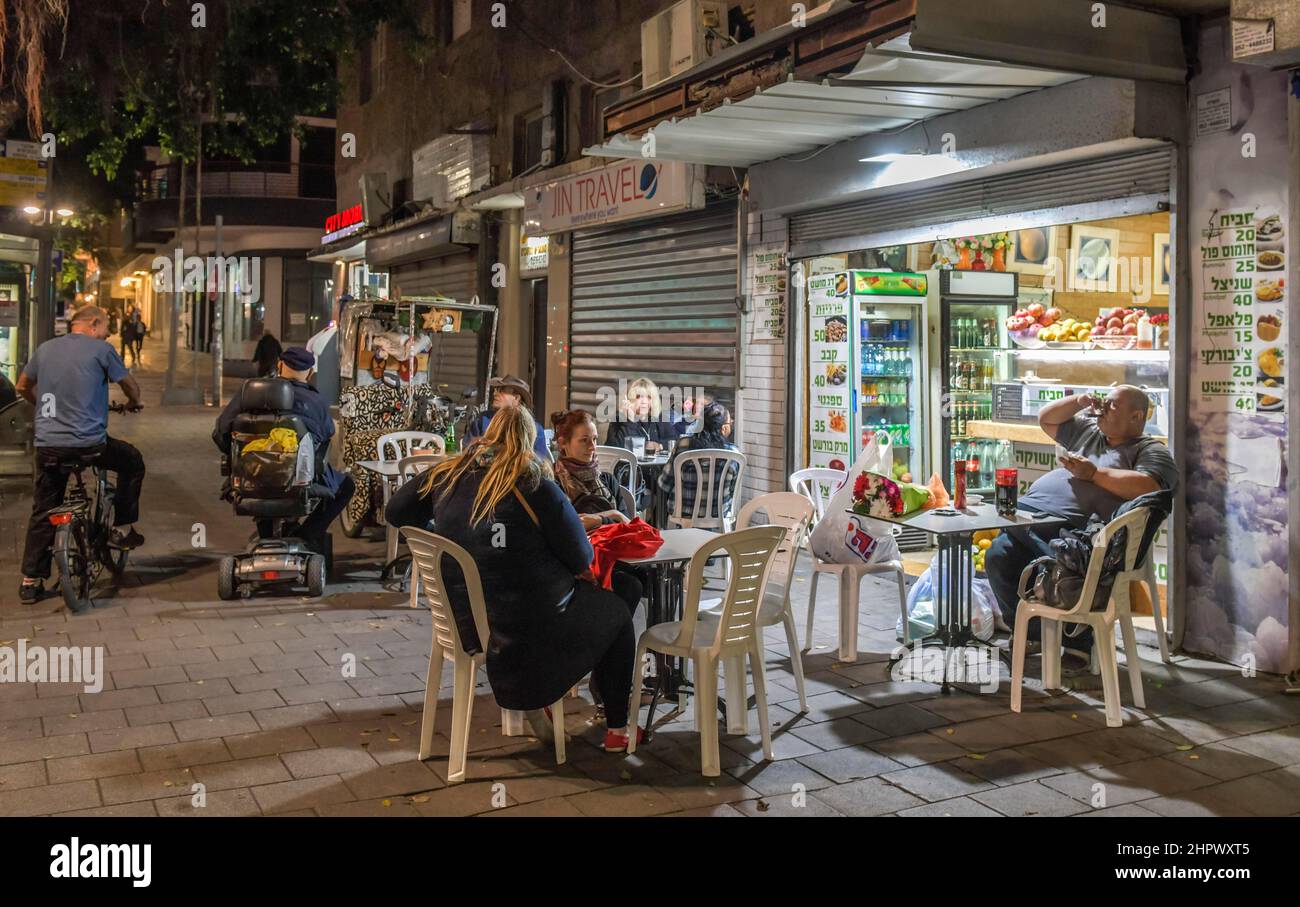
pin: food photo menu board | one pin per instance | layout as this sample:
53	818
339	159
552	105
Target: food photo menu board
830	372
1243	353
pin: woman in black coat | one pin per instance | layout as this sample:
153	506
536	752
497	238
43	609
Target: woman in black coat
267	355
548	628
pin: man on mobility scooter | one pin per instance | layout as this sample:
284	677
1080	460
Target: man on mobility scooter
275	434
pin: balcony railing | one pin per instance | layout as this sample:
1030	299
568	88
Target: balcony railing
258	179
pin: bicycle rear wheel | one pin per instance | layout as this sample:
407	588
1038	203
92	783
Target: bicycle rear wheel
73	566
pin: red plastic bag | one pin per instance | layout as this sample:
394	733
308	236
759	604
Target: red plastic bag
618	541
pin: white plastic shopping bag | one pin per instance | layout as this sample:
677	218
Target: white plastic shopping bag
848	538
920	607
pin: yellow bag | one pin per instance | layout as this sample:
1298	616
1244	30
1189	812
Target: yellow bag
280	440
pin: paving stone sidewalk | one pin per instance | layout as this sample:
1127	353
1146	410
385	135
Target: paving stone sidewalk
248	698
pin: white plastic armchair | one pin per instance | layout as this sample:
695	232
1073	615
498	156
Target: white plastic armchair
427	552
715	489
793	513
1102	622
734	634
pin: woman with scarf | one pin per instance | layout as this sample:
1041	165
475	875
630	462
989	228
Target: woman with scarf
592	493
548	628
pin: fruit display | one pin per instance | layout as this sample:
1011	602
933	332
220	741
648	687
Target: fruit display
1027	325
1117	328
901	473
1067	330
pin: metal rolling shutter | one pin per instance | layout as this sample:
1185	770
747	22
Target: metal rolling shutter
454	358
656	299
452	276
1116	177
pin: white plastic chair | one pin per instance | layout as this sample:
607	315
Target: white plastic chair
715	496
407	469
608	457
1102	622
1149	577
733	635
793	512
427	551
398	446
819	485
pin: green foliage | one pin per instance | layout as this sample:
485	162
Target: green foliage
137	72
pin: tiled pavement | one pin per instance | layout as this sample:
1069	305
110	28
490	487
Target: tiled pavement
248	699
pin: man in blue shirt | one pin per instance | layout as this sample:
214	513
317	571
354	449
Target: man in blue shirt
295	367
510	391
67	381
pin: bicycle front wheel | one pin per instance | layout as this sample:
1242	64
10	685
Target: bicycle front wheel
73	566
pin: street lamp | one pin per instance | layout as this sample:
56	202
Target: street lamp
31	209
64	212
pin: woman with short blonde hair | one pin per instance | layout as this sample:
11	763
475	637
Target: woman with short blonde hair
641	417
548	628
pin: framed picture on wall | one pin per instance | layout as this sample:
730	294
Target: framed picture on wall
1032	250
1093	251
1160	264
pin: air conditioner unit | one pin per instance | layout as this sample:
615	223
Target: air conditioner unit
375	200
684	35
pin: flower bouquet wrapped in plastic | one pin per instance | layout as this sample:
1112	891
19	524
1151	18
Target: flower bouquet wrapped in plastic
878	496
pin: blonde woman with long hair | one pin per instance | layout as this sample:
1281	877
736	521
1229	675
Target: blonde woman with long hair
641	416
548	628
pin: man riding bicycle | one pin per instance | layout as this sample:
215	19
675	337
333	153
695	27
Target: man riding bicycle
67	381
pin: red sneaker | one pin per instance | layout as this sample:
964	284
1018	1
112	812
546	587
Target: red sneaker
617	743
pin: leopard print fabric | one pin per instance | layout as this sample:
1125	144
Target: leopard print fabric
366	414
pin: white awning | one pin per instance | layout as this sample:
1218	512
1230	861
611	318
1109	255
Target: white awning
891	87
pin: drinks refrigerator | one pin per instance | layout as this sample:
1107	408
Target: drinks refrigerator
968	345
867	355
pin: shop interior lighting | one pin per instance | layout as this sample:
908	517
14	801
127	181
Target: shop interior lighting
64	212
1096	355
31	209
908	167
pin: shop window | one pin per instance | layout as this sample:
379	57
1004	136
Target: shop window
307	300
461	18
528	141
316	162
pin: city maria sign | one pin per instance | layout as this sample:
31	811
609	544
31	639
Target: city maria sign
344	223
624	190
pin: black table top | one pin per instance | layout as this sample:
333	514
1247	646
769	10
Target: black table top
975	518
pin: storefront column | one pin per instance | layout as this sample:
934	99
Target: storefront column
1293	393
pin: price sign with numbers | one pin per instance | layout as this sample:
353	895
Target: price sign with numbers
831	374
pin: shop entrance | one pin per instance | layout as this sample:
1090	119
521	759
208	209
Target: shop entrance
537	358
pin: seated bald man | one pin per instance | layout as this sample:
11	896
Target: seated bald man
1110	460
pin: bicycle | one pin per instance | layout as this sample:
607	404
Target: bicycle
84	526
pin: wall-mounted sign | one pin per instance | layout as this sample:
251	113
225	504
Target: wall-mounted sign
1214	111
534	253
22	181
343	223
768	288
1252	36
622	191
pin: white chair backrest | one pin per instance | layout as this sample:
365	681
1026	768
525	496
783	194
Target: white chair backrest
398	444
792	512
609	457
751	551
1135	521
410	467
427	552
818	484
716	485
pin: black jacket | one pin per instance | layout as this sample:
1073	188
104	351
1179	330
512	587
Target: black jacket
536	649
620	434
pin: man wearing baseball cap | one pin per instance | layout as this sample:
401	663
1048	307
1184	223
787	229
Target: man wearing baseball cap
296	365
510	391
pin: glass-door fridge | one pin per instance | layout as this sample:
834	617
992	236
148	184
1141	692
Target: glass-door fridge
968	311
867	360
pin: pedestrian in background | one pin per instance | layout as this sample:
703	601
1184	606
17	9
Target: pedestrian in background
139	330
126	339
267	356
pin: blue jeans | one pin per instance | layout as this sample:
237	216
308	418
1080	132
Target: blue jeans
1011	552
